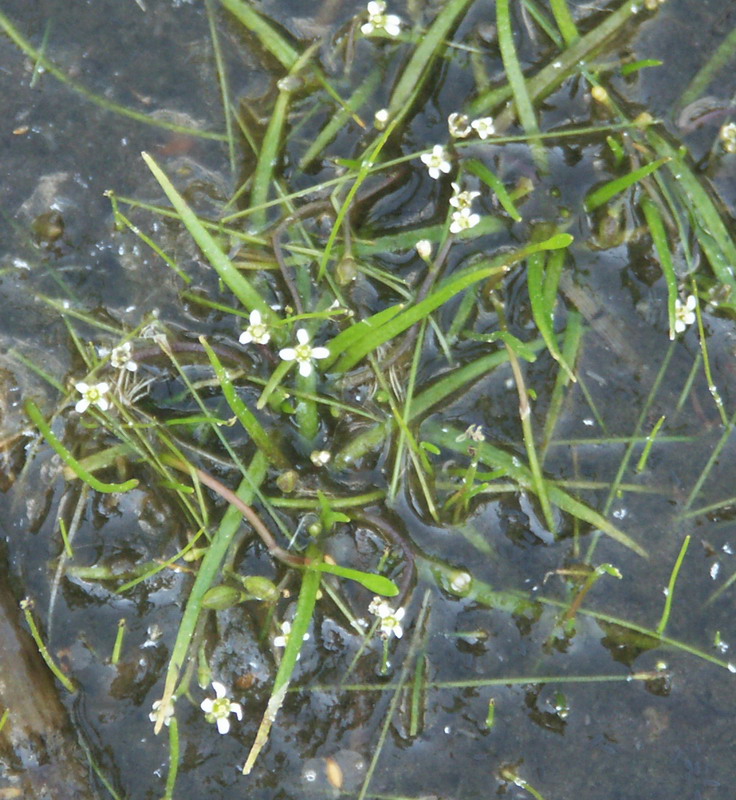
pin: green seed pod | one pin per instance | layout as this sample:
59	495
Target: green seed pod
222	597
260	588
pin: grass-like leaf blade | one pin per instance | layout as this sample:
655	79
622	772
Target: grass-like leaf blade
604	193
299	626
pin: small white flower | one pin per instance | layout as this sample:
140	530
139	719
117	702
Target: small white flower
484	127
463	220
219	708
459	125
424	249
380	119
461	582
320	458
283	639
378	20
121	357
390	620
462	199
727	135
303	353
168	714
437	161
257	331
684	313
92	395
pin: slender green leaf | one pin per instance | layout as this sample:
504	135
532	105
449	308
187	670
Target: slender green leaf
495	183
713	235
570	351
39	421
338	121
239	285
299	626
635	66
446	436
722	55
661	245
420	64
561	65
269	37
449	289
515	76
411	316
565	21
460	379
206	575
366	166
377	584
670	594
268	157
356	333
542	296
604	193
261	438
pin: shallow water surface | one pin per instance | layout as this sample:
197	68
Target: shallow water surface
513	675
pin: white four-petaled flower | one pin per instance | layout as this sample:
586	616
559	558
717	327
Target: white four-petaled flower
257	331
303	353
484	127
379	20
684	313
462	199
219	708
390	620
463	219
92	395
437	161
